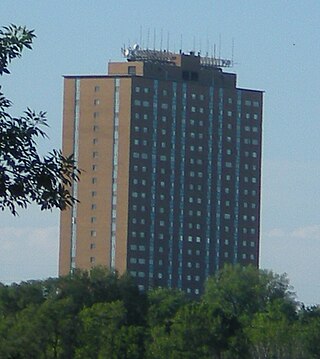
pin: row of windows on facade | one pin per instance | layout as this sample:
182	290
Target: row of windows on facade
197	252
192	121
145	156
192	148
194	265
246	192
192	187
162	170
199	135
163	131
193	109
193	225
198	226
195	96
190	213
143	182
195	200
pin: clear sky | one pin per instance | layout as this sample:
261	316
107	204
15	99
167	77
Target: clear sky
276	49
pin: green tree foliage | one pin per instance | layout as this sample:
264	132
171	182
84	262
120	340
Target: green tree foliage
106	333
246	290
26	176
244	313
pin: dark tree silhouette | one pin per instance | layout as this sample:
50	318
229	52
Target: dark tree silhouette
25	175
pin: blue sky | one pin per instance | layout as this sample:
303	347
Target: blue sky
276	49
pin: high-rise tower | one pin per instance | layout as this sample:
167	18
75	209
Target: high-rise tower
170	153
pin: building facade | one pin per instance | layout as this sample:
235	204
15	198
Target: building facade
170	153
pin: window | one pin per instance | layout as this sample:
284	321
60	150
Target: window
247	103
95	128
255	104
94	180
94	167
93	219
146	90
96	102
93	206
95	115
137	102
164	106
137	89
92	260
131	70
93	233
93	194
145	103
96	88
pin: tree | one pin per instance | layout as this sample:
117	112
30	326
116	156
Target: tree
105	333
247	290
26	176
273	333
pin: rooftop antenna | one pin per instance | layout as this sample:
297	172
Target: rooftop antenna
232	51
194	44
219	46
181	43
148	36
200	46
154	38
207	45
168	41
140	41
161	36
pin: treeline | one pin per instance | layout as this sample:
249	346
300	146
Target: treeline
243	313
